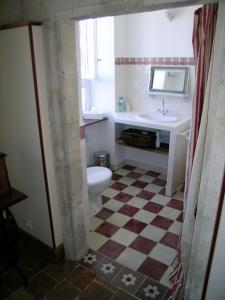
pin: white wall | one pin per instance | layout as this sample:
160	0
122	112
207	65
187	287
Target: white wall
10	11
19	131
132	81
151	34
216	284
101	136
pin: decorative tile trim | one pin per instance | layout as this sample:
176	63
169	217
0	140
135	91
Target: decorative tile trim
168	61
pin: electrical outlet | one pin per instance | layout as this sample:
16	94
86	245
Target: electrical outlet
28	223
136	86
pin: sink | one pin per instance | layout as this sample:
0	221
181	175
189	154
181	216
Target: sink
157	117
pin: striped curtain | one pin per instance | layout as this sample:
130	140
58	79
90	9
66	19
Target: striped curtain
203	35
202	39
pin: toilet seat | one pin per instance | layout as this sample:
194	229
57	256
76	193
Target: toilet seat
96	175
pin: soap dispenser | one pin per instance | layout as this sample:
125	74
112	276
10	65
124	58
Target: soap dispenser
122	104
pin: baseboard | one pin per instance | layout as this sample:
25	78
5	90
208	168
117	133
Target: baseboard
145	166
138	164
115	166
57	253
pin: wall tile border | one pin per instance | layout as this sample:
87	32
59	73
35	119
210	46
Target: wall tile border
168	61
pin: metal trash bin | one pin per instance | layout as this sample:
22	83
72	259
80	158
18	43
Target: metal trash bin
102	158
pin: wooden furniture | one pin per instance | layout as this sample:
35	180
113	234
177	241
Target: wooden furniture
9	231
4	180
12	197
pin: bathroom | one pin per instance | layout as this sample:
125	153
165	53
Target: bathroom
60	220
144	183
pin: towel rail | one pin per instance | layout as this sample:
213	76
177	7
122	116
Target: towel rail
186	134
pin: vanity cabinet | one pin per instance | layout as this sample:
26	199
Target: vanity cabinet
170	160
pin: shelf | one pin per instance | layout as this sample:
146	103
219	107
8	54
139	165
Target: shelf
93	121
160	150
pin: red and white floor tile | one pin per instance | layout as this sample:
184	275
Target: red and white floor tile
133	238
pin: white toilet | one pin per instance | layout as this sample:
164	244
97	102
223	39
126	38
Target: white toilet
97	179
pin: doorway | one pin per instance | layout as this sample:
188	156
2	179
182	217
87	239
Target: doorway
100	13
139	225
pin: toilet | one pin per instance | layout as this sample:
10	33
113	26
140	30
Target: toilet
97	179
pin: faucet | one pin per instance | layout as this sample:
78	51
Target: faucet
162	109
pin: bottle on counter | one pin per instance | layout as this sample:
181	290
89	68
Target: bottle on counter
128	106
122	104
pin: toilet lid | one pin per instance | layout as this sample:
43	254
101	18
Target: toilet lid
97	174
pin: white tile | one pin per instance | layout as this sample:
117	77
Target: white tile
131	190
153	188
127	180
160	199
162	176
122	172
131	258
163	254
153	233
95	222
141	171
137	202
169	212
165	280
146	178
144	216
114	204
110	192
111	182
124	237
96	240
179	196
118	219
175	228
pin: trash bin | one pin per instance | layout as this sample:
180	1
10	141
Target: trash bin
102	158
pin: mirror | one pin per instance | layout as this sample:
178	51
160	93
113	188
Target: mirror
169	80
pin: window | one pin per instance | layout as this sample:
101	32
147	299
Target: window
88	59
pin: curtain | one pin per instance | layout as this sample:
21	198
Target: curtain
203	35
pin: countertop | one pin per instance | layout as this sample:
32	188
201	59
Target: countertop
131	118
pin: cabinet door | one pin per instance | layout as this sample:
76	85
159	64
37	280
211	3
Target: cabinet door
19	133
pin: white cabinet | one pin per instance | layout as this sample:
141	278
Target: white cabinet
24	130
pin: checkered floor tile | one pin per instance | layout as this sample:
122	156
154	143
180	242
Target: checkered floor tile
137	230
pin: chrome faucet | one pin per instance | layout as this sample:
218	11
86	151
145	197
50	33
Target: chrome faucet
162	109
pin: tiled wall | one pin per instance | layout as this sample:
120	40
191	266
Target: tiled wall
149	39
167	61
132	82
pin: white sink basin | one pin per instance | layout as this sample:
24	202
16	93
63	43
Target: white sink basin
157	117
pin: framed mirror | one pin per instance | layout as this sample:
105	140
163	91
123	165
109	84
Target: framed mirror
169	80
